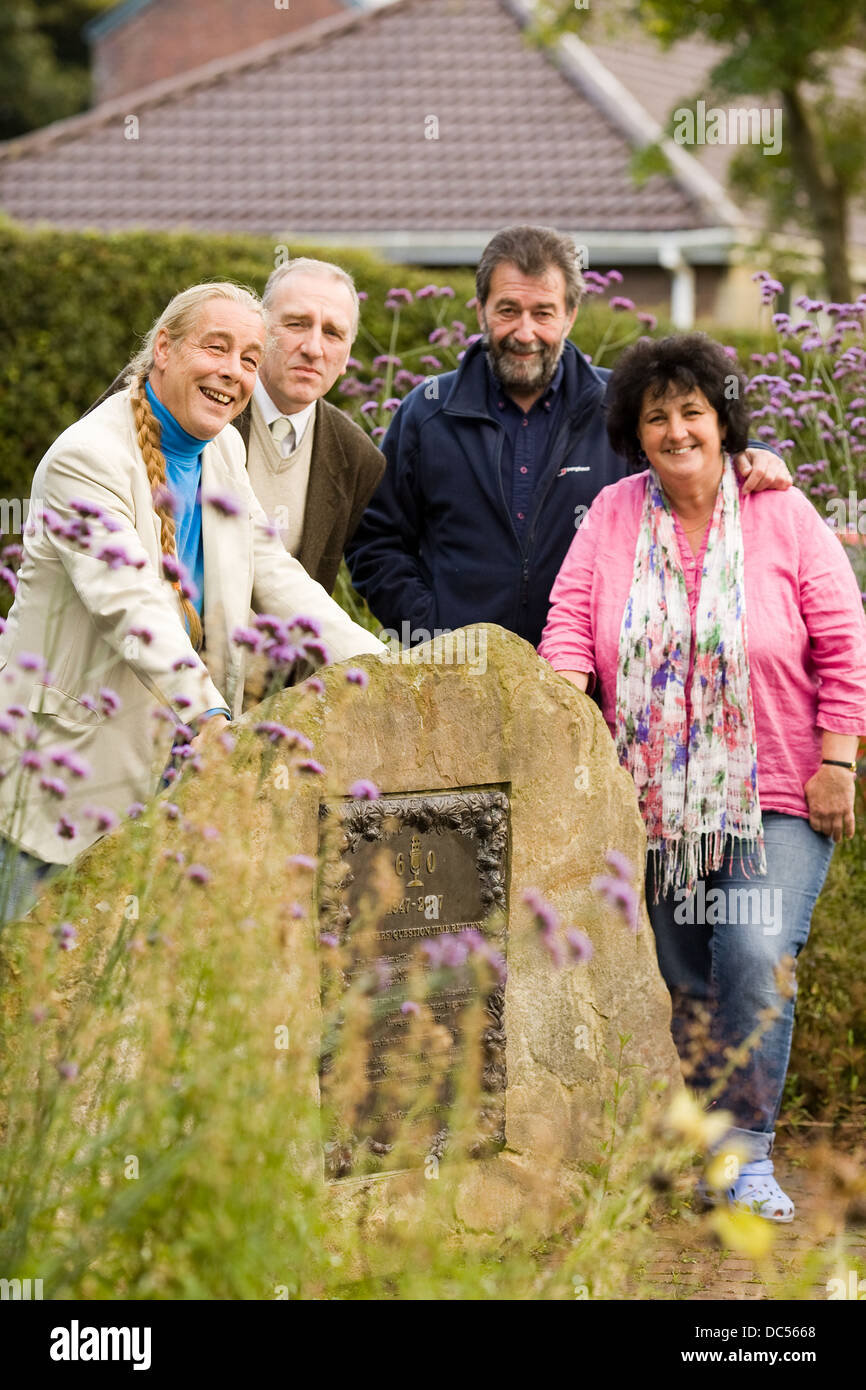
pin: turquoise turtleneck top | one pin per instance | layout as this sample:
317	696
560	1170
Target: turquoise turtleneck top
182	454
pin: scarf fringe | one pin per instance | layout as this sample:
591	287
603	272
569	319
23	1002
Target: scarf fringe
678	862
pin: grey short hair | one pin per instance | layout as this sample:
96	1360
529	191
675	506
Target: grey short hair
533	250
302	264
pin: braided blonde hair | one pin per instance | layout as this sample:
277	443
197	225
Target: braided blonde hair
178	320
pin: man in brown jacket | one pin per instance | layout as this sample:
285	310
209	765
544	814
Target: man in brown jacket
312	469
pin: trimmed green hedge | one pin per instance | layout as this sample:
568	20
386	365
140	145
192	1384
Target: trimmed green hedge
75	305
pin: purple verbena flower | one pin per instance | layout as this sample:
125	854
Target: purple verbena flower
50	520
110	701
302	861
65	829
547	920
282	654
54	786
546	915
579	945
275	733
224	503
64	757
162	498
621	896
267	622
310	765
247	637
116	557
197	873
621	864
84	508
30	661
311	626
315	650
365	791
396	296
409	1007
173	569
357	677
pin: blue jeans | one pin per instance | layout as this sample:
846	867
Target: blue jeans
718	951
22	876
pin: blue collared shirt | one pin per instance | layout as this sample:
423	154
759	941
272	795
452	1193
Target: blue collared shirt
528	435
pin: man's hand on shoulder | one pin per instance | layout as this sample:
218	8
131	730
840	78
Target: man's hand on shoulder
761	470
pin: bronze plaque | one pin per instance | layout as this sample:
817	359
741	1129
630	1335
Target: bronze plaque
412	911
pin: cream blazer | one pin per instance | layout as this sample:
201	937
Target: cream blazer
90	619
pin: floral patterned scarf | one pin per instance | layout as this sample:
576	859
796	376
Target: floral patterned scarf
697	788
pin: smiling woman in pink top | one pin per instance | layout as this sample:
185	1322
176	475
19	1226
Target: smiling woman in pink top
725	636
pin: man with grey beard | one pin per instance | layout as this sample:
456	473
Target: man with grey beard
490	468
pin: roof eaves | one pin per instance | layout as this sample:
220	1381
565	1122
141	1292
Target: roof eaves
594	80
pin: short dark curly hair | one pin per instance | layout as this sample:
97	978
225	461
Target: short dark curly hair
684	360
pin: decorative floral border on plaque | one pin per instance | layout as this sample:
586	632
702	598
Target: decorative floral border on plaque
483	815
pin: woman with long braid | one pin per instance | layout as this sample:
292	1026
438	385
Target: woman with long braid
149	434
148	550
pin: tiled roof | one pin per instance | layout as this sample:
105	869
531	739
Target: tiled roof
662	79
325	130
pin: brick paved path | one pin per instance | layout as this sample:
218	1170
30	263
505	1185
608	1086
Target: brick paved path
687	1264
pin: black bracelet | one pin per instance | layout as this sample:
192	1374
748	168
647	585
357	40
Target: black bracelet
834	762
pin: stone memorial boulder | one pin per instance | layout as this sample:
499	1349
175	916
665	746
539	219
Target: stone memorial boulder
495	777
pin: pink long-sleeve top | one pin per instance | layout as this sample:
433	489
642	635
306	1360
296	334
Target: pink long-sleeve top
805	627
